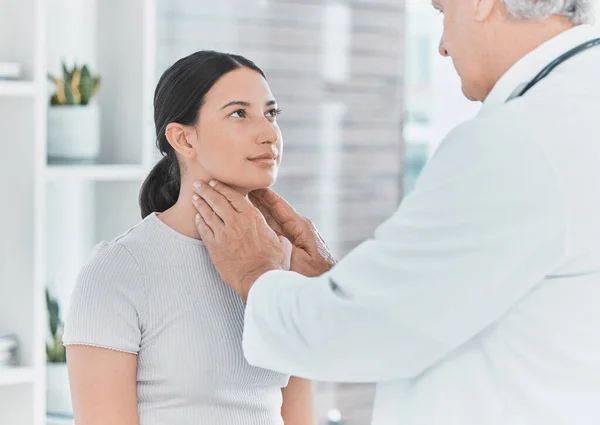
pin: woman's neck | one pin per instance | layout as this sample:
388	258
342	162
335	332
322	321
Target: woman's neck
181	216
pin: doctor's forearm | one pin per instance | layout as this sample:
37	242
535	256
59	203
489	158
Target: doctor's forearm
301	326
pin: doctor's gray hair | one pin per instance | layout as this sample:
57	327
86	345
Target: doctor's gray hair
577	11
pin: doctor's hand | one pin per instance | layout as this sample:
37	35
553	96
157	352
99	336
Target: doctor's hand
241	244
310	254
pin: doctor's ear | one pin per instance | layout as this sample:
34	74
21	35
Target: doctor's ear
484	9
181	138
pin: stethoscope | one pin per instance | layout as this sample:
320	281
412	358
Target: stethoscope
550	67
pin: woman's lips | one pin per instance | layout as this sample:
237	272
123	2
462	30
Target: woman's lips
266	159
265	162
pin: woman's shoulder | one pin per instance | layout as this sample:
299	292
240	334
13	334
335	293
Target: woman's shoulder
120	256
111	265
109	253
141	233
122	250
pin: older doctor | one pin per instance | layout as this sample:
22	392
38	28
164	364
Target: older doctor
478	301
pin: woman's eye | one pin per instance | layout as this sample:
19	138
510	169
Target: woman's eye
240	113
274	112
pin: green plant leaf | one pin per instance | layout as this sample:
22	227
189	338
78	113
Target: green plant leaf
69	98
66	73
67	86
56	353
53	314
78	86
49	354
85	85
95	85
60	352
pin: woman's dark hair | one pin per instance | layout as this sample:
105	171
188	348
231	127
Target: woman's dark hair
179	95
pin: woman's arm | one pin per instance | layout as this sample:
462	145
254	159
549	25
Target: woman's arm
103	386
297	408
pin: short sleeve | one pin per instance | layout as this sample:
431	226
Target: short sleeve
107	301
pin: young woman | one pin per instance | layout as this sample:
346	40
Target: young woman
153	336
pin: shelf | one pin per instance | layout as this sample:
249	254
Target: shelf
16	88
15	376
96	172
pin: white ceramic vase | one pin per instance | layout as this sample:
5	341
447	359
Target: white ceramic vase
58	394
73	133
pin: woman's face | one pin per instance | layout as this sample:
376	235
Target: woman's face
238	141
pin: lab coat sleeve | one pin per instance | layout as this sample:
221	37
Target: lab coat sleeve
483	226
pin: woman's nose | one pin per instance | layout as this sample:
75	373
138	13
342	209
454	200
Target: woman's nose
267	133
442	49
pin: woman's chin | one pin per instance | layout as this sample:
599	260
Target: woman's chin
262	182
265	185
246	187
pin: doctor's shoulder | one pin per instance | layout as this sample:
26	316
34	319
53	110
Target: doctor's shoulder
492	137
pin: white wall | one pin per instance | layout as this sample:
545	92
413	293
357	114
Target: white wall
72	35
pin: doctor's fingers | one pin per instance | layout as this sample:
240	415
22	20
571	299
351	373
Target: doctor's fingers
273	224
277	206
237	201
217	202
204	230
212	220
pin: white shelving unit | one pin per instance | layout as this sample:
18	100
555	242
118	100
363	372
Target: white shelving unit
52	215
17	88
22	129
17	376
110	172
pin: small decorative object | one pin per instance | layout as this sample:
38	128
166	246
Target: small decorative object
334	417
9	70
9	350
58	395
73	118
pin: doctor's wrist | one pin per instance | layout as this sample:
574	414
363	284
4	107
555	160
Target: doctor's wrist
250	277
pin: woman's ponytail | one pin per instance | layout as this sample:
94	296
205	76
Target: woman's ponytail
161	188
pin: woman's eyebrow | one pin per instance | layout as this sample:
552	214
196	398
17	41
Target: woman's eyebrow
237	102
247	104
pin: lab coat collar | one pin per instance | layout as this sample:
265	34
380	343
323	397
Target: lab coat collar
526	68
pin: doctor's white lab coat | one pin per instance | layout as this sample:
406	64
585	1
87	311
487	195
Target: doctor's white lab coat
478	301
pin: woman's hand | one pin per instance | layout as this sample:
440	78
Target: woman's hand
310	254
241	244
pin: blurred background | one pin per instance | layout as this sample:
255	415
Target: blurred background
365	97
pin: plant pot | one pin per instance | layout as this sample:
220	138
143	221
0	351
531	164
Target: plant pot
58	394
73	133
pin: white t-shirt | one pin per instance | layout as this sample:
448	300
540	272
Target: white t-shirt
155	293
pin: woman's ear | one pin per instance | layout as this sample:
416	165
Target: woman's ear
179	137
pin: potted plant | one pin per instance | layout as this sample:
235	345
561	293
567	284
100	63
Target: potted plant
73	118
58	395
